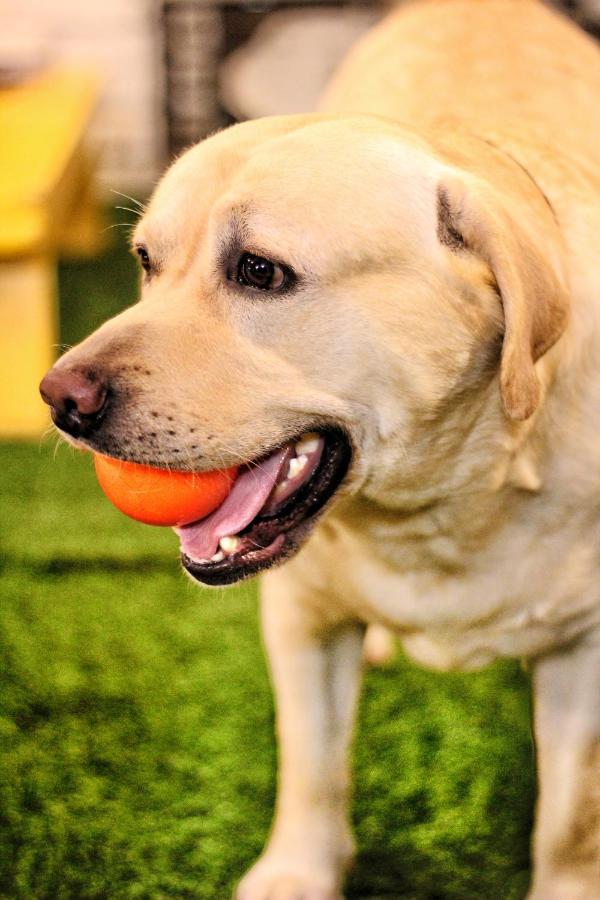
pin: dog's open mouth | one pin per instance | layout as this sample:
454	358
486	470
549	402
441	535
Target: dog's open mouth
269	511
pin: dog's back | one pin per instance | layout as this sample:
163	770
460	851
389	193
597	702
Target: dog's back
508	69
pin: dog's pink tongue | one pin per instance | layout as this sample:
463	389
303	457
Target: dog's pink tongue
200	540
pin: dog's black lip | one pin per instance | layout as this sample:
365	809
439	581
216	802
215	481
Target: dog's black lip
294	520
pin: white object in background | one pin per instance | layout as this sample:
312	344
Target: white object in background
285	65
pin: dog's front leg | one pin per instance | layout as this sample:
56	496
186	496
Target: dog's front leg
315	671
567	729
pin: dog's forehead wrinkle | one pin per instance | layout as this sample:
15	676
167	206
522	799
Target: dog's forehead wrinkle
358	263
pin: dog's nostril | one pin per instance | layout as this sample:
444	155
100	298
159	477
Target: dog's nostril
77	397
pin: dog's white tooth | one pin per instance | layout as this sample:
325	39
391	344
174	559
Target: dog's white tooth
280	488
308	443
296	465
218	557
229	544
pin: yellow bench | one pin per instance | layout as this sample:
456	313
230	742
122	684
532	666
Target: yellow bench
46	207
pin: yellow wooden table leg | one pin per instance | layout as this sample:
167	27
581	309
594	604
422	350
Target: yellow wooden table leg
83	231
28	330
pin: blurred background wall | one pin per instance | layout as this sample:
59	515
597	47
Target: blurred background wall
174	71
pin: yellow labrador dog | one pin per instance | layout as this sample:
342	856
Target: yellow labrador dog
389	313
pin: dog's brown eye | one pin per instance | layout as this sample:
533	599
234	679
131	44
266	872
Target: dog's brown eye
258	272
144	259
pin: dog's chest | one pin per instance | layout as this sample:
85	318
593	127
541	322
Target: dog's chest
517	598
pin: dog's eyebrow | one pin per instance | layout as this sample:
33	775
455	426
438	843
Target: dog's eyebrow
150	237
141	234
233	235
247	229
153	242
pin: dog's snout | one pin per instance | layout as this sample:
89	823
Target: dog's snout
77	398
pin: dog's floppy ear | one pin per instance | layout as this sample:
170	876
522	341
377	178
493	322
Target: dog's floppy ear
471	219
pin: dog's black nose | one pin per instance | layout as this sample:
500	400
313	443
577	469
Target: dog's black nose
77	398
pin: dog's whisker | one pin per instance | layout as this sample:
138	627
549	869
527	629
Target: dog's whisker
61	347
129	225
138	203
60	442
136	212
47	435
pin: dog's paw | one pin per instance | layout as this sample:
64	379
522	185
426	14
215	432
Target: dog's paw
379	647
282	879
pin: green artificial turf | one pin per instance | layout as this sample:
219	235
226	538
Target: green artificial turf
137	757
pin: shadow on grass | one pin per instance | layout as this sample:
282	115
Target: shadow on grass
66	565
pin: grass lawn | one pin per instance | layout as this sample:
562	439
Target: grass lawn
136	724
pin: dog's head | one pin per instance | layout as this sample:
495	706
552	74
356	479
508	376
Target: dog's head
320	298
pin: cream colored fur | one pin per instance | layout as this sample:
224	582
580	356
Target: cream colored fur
467	377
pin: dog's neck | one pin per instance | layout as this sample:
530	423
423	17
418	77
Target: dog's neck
452	494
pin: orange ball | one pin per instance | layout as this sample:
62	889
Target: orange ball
161	497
